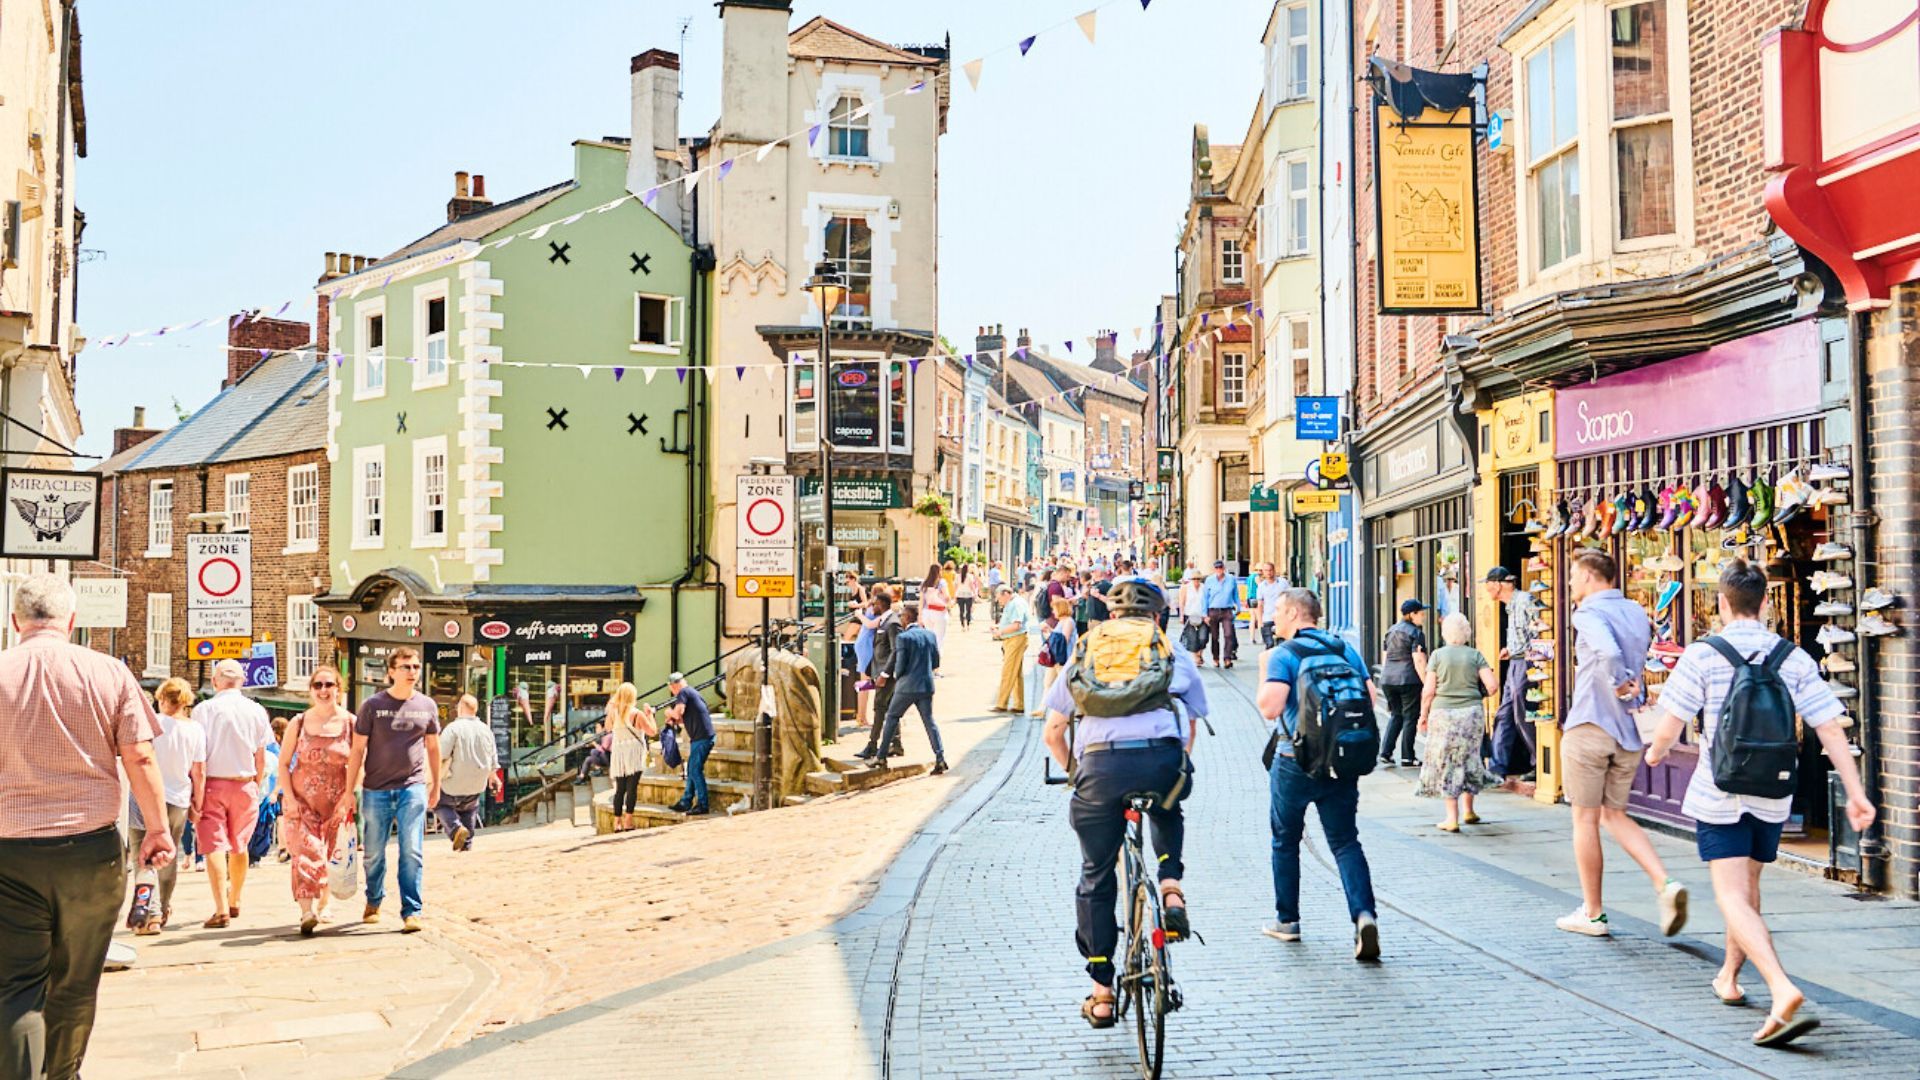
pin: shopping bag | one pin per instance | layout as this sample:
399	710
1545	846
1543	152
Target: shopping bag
343	870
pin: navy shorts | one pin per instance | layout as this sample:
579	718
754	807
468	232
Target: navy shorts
1748	838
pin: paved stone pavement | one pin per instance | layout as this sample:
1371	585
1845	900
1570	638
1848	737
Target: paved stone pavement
963	964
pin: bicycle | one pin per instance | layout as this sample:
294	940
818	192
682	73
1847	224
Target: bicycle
1144	978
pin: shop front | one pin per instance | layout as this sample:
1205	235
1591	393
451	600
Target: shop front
1416	483
1510	507
538	663
1666	457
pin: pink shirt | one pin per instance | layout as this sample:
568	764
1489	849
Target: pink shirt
65	711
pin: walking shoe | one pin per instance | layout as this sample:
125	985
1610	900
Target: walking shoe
680	807
1539	587
1647	510
1668	593
866	754
1283	931
1538	675
410	924
939	766
1830	608
1532	528
1762	496
1790	498
1832	634
1386	760
1577	922
1827	581
1536	695
1366	939
1713	508
1875	598
371	915
1875	626
1827	496
1827	470
1684	506
1409	763
1738	506
1842	690
1607	518
1666	564
699	811
1837	664
1622	514
1540	650
461	837
1832	551
1673	908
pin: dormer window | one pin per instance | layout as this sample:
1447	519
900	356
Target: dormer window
847	128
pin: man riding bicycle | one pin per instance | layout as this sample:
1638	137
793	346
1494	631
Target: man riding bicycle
1121	691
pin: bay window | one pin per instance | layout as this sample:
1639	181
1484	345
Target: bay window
1642	120
869	401
850	249
1553	146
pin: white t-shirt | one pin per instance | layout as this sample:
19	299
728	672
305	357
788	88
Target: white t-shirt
1698	687
1268	593
182	744
236	726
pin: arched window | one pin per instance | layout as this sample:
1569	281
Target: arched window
847	132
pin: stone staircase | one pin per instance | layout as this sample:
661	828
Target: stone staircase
729	784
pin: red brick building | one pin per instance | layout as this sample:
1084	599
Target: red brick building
250	461
1644	330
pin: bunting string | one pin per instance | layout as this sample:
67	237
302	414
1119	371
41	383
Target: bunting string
718	170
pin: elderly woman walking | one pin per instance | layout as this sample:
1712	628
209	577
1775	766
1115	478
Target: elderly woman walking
1454	721
313	775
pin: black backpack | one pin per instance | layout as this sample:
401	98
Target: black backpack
1756	748
1336	735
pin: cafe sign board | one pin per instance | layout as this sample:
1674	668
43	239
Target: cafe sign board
1426	200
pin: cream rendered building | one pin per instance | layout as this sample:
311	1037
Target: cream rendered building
42	133
858	188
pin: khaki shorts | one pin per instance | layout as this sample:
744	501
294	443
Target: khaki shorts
1595	769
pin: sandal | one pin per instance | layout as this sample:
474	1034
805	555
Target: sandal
1739	996
1470	819
1094	1001
307	924
1787	1031
1448	826
1174	919
215	921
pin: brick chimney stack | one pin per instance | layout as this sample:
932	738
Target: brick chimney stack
989	346
467	199
1104	358
1023	341
251	334
128	437
337	265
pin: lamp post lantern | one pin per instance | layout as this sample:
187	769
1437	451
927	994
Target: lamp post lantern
827	287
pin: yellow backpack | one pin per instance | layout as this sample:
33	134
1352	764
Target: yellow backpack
1122	667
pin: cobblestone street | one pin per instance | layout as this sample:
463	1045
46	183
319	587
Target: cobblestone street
963	963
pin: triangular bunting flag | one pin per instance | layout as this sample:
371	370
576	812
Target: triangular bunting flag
694	178
571	218
725	168
1025	44
264	353
680	373
972	68
765	149
1069	344
1204	316
619	373
1260	312
917	87
711	373
653	193
770	369
813	134
913	366
541	232
1144	3
739	373
1086	24
586	370
647	374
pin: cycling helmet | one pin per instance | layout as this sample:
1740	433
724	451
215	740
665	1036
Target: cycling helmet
1135	596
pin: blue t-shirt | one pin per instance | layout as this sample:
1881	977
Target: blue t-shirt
1284	666
695	720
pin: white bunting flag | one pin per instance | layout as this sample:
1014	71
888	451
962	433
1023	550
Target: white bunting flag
765	149
541	232
711	373
1086	24
692	179
972	68
648	373
586	371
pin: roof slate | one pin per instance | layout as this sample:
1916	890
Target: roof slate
245	420
821	38
477	226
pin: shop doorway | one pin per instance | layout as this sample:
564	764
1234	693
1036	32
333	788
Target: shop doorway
1420	554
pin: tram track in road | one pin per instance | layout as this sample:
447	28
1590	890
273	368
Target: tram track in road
1439	929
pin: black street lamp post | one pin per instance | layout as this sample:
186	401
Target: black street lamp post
827	287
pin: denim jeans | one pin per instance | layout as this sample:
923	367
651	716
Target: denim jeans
1338	801
696	793
381	812
1513	734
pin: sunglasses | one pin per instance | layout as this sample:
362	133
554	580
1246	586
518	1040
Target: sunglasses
325	685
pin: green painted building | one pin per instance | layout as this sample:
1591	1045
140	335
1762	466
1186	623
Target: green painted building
516	449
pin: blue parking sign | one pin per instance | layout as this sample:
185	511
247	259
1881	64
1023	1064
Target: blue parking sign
1316	418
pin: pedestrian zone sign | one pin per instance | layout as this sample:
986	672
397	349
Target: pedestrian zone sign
764	562
220	585
219	648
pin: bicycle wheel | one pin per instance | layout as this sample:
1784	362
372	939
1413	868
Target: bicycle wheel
1146	981
1127	980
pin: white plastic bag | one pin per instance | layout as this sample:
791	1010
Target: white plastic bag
343	870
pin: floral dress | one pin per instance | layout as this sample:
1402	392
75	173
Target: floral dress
1453	765
319	777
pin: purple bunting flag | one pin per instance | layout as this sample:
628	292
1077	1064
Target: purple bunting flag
680	373
1026	43
1260	312
739	373
813	134
651	196
725	168
917	87
234	323
1069	344
1204	316
619	373
913	365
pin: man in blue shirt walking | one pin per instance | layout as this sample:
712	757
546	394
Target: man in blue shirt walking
1221	594
1293	789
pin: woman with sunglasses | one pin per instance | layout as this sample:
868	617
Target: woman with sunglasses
317	799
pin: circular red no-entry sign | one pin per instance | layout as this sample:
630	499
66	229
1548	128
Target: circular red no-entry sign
219	577
766	517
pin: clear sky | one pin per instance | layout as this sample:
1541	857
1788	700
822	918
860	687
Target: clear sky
229	148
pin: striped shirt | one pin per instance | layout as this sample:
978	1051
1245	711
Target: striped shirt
1521	611
65	713
1698	687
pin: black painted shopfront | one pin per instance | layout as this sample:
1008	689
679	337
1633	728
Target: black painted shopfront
1416	481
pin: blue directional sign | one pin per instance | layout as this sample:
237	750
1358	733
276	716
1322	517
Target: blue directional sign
1496	131
1316	418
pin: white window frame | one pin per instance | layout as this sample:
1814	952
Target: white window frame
299	478
1568	152
1233	384
159	526
240	493
857	118
1233	262
1126	445
1299	222
367	361
431	370
423	449
676	325
364	456
1297	54
159	633
1615	128
303	641
1602	253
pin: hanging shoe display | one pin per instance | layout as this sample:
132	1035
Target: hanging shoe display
1684	507
1827	470
1831	635
1837	664
1826	496
1668	511
1875	598
1827	581
1713	509
1832	551
1828	609
1790	498
1842	690
1665	564
1762	495
1876	626
1738	506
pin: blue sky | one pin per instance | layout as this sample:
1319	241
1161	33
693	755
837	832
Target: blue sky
229	151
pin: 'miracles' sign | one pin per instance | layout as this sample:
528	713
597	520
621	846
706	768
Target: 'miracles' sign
50	514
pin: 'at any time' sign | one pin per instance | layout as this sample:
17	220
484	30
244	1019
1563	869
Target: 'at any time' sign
763	563
219	585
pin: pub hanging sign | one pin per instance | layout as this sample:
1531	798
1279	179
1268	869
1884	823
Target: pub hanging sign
1426	192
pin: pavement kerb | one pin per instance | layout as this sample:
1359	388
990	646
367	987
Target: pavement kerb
898	887
485	978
